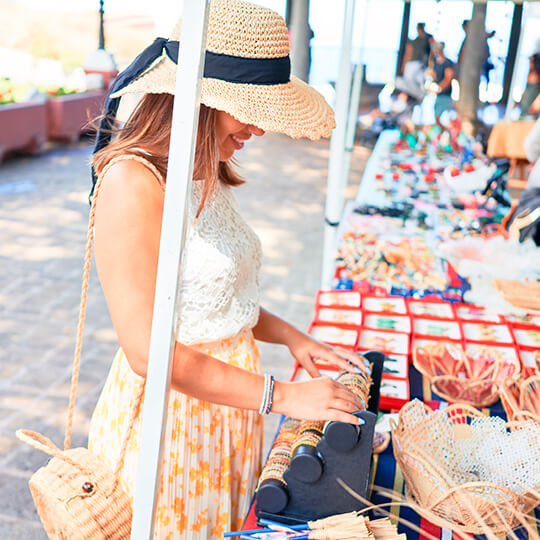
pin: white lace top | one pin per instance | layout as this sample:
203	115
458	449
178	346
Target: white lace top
219	292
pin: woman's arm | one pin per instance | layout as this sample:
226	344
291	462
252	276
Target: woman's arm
127	234
303	347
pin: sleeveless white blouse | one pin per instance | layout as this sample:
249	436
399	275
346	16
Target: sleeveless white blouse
219	291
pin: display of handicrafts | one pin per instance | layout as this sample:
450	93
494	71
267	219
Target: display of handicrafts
521	399
466	471
472	377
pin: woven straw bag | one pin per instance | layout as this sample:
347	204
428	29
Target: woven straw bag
77	496
442	491
458	376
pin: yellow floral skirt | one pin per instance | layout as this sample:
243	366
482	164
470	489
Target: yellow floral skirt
212	453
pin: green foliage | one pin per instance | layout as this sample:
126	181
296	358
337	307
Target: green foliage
12	92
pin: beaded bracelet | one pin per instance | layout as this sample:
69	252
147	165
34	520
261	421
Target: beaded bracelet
268	394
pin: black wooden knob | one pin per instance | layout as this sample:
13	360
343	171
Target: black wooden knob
306	464
341	436
272	496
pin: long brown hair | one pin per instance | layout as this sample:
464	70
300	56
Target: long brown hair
148	129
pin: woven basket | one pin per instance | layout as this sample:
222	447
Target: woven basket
76	495
521	294
468	505
521	400
462	377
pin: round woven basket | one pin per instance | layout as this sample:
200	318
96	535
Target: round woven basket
463	377
521	399
439	490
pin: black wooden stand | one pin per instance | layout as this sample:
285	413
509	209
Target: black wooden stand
345	451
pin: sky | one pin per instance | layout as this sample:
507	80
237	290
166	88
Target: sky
381	20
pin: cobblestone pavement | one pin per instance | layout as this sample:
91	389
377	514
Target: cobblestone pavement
43	220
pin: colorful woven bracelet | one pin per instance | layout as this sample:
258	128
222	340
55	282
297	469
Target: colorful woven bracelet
270	396
264	402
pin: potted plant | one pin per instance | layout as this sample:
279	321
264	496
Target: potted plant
23	124
69	112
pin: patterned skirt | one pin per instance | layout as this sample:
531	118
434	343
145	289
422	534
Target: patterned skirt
211	456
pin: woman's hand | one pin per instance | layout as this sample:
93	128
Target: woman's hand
306	350
317	399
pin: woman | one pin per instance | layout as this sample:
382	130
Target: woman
213	437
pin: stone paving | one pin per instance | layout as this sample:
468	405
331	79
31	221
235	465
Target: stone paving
43	220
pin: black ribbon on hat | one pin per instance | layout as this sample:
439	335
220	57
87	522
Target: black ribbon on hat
225	67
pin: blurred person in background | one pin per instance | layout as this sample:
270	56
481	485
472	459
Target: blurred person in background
530	100
443	71
415	63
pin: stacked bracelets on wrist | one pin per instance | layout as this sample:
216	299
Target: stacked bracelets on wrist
268	395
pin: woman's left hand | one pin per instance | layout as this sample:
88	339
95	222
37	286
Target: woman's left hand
307	350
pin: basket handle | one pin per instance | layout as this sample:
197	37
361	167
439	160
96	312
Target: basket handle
38	441
82	313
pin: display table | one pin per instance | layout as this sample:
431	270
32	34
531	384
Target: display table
506	141
427	183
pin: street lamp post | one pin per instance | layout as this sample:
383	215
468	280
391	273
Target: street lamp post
101	44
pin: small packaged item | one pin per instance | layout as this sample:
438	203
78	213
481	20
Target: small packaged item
396	323
351	299
394	393
437	328
340	316
425	342
396	366
527	319
385	304
431	308
470	312
334	335
383	341
487	333
508	353
528	337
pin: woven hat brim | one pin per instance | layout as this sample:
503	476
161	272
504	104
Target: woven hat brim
295	108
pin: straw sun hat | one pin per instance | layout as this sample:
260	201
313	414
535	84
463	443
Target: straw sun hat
247	73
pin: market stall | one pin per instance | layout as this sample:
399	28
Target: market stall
416	272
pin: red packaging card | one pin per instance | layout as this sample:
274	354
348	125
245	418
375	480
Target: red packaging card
394	394
437	328
470	312
382	321
487	333
527	337
350	299
334	335
528	319
339	316
508	353
385	304
431	309
383	341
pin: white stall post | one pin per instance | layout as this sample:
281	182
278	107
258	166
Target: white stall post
354	103
173	235
334	194
510	102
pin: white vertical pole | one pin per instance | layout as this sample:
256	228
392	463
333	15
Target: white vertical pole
334	195
510	102
354	101
178	188
351	124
